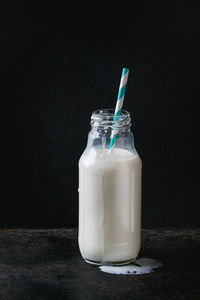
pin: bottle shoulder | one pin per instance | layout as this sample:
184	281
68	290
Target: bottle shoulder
106	157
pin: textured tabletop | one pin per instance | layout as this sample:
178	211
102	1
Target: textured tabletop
46	264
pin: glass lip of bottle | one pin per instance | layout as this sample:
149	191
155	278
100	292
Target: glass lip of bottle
105	118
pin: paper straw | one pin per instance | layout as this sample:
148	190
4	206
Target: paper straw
119	103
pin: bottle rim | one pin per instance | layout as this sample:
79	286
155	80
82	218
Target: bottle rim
106	118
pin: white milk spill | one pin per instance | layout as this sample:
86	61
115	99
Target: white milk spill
145	266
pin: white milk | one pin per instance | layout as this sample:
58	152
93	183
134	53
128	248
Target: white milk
141	266
109	205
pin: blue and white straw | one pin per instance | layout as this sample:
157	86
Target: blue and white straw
119	103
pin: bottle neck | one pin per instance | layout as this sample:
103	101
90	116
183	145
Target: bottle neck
104	123
104	120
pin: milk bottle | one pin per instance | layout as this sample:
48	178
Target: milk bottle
110	193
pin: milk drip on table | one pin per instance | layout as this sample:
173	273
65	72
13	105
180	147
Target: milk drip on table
110	193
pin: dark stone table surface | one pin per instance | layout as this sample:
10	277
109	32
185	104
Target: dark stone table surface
46	264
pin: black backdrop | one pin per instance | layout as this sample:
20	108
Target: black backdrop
59	64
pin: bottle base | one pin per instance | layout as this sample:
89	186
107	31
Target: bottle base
109	263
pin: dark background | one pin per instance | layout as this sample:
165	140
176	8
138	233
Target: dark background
60	63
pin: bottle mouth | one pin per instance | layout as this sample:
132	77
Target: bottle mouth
107	118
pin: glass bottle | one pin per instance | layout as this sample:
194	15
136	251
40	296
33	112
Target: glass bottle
110	192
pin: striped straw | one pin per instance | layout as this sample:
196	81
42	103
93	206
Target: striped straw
119	103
